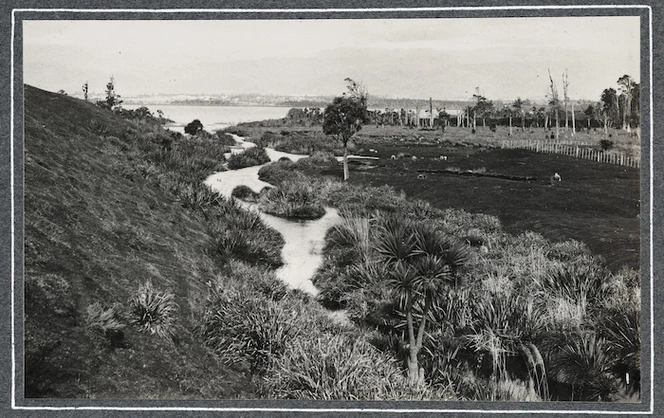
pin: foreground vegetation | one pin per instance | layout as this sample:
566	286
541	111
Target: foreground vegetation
521	319
140	282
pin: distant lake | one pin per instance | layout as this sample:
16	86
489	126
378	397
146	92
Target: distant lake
214	117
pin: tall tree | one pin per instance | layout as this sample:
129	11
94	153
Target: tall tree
482	107
626	85
609	108
566	97
85	90
345	116
590	113
112	98
554	102
517	105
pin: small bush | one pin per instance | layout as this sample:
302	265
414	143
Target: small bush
249	158
325	367
153	311
106	322
475	238
224	138
245	193
193	127
606	144
243	327
317	158
257	279
278	172
259	246
293	199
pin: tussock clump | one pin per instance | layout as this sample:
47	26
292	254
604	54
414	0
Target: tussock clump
244	327
256	279
245	193
105	322
153	311
102	319
339	367
293	199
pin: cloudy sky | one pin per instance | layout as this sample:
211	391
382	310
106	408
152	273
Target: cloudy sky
416	58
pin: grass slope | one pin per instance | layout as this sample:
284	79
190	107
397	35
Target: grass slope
94	232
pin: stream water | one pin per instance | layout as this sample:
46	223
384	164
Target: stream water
304	240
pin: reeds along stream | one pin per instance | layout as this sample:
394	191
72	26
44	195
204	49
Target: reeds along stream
304	240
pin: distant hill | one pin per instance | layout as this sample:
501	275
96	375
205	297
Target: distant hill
94	232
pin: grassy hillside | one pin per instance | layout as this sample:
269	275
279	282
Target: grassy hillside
95	231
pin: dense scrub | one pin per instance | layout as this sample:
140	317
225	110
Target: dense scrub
249	158
526	319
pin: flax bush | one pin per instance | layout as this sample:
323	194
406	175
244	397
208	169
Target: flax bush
153	311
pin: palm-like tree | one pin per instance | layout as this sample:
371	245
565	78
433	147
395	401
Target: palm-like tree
423	269
586	364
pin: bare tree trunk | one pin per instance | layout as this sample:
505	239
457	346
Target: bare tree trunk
557	125
346	161
413	369
523	120
430	113
573	120
566	118
510	124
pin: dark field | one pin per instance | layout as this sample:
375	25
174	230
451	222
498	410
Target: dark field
595	203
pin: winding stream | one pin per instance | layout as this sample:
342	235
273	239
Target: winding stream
304	240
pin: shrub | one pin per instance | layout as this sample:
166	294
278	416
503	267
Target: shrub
257	279
606	144
585	364
294	199
306	143
277	172
153	311
338	367
249	158
196	197
243	327
106	322
260	246
193	127
245	193
317	158
225	138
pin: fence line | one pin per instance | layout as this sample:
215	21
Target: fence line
573	149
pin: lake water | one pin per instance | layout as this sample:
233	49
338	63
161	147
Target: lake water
213	117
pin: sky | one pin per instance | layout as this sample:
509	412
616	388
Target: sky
396	58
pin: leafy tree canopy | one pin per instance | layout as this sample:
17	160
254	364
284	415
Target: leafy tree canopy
193	127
